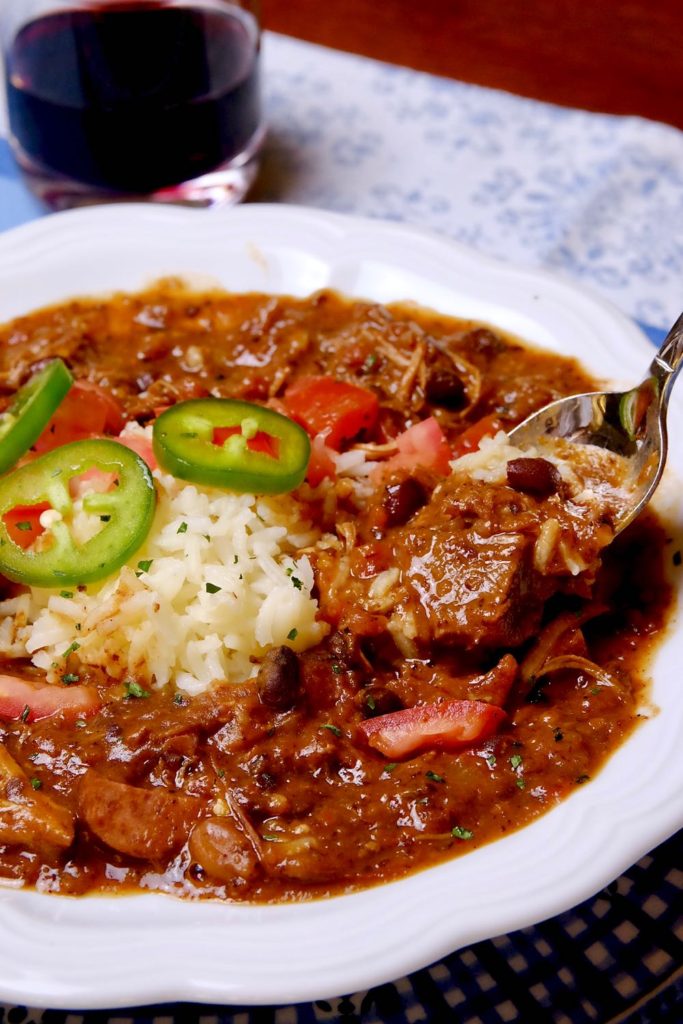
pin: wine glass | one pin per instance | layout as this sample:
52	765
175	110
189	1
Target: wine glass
136	99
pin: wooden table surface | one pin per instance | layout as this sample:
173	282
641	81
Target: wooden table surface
619	56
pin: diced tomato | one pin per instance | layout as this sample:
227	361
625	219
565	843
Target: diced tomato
336	410
142	446
31	701
471	438
444	725
87	411
422	446
321	463
23	523
261	442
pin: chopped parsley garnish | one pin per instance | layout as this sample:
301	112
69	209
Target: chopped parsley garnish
434	776
182	528
293	634
211	588
70	678
36	783
388	768
25	713
458	832
371	702
144	566
296	582
270	837
25	526
134	690
332	728
491	760
66	594
520	783
336	667
81	723
582	778
75	646
220	773
516	760
179	700
370	362
595	690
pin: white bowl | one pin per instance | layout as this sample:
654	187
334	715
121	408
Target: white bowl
109	952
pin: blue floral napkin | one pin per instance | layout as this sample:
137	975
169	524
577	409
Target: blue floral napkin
596	198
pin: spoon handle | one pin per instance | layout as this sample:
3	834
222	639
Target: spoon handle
669	359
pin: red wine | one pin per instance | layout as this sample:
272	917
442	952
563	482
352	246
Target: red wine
134	97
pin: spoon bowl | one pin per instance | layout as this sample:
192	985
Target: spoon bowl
630	424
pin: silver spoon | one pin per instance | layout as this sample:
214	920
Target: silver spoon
631	424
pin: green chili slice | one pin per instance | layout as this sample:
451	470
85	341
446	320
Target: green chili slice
233	445
31	410
634	406
125	511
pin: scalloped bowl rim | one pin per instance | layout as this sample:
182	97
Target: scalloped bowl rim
58	952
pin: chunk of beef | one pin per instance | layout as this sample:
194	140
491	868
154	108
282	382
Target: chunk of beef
472	569
480	561
205	713
469	590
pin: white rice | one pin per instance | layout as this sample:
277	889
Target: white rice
161	625
593	477
489	462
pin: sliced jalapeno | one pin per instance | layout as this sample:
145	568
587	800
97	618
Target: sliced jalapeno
634	405
126	512
24	421
232	445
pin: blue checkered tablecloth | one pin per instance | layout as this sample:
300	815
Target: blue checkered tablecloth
598	199
614	959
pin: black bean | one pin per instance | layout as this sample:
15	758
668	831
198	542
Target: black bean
533	476
445	388
402	500
279	679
